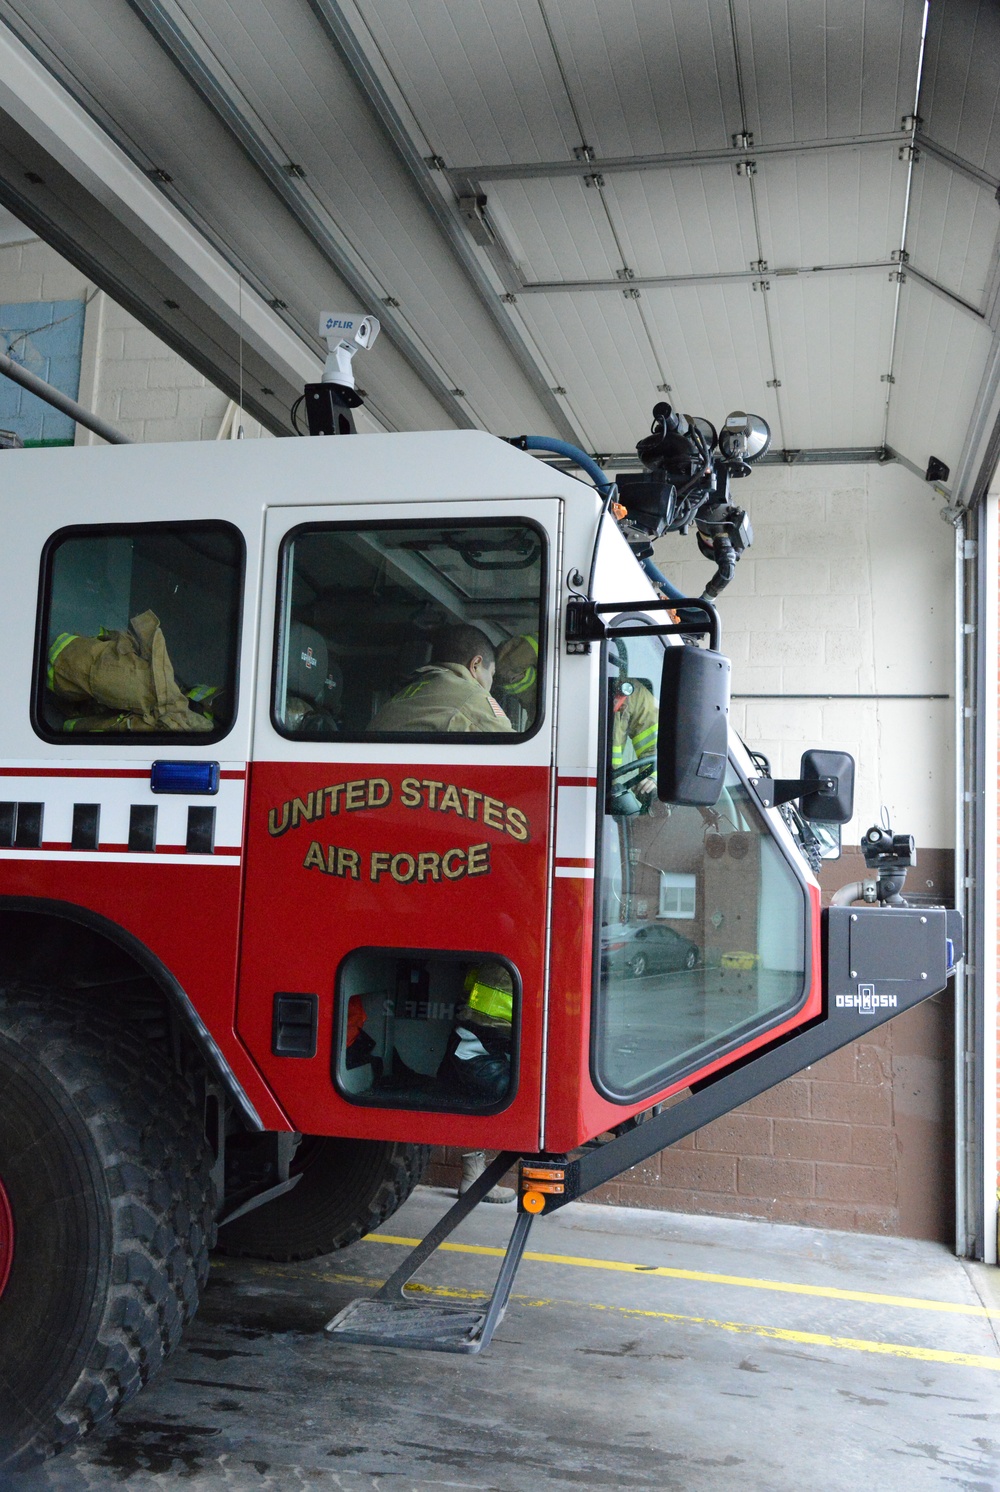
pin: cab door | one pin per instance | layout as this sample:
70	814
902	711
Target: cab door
397	847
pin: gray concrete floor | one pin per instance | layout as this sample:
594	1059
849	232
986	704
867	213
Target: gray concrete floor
648	1376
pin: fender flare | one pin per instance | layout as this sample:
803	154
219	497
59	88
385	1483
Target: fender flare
175	993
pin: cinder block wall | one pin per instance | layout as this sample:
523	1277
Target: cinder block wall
847	591
127	375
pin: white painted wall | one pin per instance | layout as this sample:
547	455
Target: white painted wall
847	590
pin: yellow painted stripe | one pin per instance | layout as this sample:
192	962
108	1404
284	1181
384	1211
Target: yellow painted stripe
826	1292
741	1328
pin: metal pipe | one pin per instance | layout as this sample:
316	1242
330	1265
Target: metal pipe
63	402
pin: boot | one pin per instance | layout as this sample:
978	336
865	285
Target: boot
473	1166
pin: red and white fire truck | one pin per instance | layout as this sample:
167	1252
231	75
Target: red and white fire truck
241	924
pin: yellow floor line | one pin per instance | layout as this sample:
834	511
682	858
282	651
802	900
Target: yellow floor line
741	1328
828	1292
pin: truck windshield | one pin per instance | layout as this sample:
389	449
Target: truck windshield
701	937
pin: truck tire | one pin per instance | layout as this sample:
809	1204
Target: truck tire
106	1217
347	1188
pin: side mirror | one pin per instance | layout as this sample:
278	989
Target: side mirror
692	744
824	788
832	805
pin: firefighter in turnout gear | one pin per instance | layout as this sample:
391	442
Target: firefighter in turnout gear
452	692
477	1061
634	721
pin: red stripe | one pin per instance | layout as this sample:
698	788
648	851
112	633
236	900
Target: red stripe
577	781
577	863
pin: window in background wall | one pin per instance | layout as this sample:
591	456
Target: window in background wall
677	895
46	337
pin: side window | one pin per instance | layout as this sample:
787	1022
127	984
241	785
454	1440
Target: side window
139	632
700	942
427	1030
407	631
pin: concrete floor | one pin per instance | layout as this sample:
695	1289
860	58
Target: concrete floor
652	1350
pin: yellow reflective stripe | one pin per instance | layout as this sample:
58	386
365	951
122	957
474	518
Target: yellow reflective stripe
644	738
490	1001
62	641
411	690
525	682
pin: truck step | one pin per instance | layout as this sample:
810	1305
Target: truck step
434	1325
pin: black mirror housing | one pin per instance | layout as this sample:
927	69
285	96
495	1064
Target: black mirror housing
830	805
692	744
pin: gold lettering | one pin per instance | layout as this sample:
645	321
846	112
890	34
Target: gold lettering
471	799
302	808
517	824
315	859
446	864
379	862
432	790
273	826
492	809
410	793
428	866
355	795
450	800
479	860
331	794
348	863
403	868
379	792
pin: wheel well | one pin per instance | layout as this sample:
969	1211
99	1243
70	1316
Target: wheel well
89	958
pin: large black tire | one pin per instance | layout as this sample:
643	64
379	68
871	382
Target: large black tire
347	1188
107	1179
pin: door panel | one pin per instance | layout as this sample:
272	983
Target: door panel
399	875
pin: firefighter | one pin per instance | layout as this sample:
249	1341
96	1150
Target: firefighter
476	1063
517	671
452	692
634	719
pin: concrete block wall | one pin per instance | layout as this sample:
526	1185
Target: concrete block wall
127	374
847	591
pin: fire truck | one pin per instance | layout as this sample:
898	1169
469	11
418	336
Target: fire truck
246	922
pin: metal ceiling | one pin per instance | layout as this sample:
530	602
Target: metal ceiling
561	210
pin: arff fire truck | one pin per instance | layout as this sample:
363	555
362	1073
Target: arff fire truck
240	923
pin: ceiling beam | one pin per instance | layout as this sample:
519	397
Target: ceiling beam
62	176
181	43
466	178
609	165
742	276
331	17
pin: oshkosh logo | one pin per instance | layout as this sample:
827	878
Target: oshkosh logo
866	1000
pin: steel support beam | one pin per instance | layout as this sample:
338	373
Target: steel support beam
63	176
674	160
180	41
745	276
331	17
466	177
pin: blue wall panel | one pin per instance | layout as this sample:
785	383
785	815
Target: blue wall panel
46	337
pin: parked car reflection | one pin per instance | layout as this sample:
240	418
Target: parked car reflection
650	949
